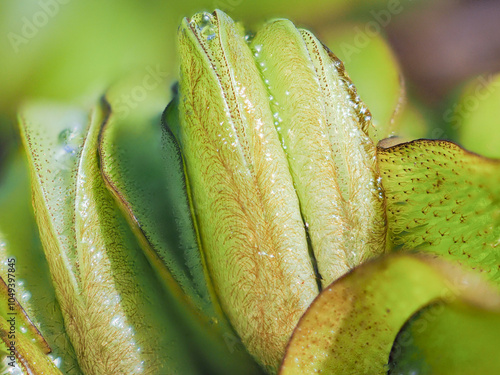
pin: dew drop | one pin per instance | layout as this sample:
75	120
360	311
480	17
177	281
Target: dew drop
57	362
26	296
206	26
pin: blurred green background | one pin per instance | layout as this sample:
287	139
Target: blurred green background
69	49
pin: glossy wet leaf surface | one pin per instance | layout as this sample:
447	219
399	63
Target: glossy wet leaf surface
444	200
247	213
274	192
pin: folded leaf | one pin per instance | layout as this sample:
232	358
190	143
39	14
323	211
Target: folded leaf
323	126
350	328
115	312
444	200
247	212
142	165
19	240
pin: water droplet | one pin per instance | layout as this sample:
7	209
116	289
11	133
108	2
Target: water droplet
207	27
15	371
117	321
57	362
25	297
65	157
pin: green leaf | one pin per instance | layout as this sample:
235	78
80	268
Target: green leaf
142	165
247	212
444	200
455	338
350	328
323	127
19	240
475	116
24	353
26	347
116	314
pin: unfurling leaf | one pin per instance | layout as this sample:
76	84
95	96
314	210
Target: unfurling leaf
142	165
115	313
323	126
247	212
273	134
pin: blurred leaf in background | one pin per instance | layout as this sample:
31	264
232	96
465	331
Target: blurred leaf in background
63	48
475	118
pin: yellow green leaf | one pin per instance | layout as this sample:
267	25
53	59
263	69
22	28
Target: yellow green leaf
475	116
116	315
247	212
142	165
323	127
461	337
350	328
26	348
19	240
445	201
